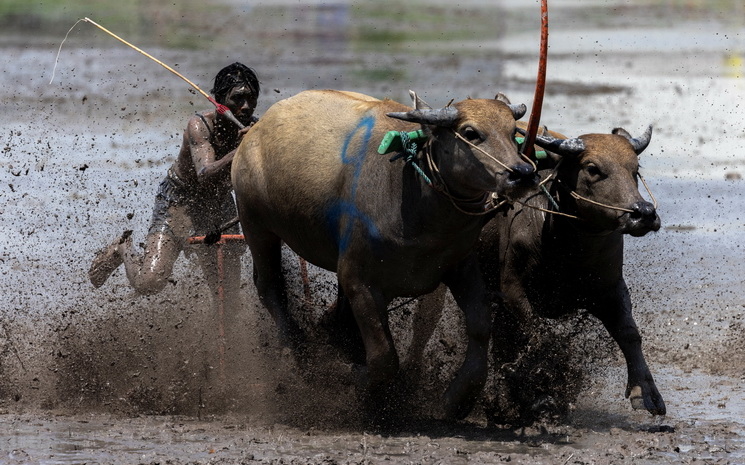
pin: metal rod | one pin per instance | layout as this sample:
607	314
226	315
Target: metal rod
221	310
224	239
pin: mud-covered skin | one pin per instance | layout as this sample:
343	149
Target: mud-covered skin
193	199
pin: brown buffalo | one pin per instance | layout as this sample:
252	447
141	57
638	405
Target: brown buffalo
308	174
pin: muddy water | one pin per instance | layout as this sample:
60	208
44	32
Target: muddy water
106	376
710	430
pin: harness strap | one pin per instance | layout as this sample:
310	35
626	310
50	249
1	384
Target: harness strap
484	204
201	116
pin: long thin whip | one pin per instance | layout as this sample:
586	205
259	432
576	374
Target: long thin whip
221	109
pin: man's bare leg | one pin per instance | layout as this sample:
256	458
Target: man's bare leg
106	261
149	273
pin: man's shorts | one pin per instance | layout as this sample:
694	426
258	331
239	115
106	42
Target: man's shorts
176	202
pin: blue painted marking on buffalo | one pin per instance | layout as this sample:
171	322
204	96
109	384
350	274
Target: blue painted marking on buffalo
344	213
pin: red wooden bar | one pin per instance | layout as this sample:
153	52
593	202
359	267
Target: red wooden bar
224	239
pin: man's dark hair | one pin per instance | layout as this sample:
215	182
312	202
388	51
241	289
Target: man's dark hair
234	75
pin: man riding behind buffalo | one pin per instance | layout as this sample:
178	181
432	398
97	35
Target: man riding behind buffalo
194	197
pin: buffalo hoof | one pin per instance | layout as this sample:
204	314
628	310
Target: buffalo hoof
457	407
386	407
464	391
651	402
636	398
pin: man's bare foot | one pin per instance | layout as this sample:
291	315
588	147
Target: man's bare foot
106	261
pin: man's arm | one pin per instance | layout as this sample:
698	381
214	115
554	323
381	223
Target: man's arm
203	154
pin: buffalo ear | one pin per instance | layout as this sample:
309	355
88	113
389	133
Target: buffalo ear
419	104
621	132
502	98
638	143
518	111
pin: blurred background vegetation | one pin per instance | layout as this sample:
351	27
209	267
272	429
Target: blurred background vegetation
157	22
201	24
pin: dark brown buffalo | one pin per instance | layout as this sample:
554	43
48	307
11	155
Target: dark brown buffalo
308	173
549	265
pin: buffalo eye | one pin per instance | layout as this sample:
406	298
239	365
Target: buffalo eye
471	134
593	171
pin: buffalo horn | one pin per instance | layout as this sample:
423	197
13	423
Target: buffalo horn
518	111
440	117
638	143
563	147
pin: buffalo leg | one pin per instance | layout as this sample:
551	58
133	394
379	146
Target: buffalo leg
615	313
342	329
426	317
467	286
266	251
369	307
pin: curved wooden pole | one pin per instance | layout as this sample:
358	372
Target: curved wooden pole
222	109
540	86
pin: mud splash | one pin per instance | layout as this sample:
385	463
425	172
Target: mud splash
110	377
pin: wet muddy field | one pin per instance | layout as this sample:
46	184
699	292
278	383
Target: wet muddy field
107	376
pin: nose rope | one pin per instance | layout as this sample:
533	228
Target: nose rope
610	207
575	195
487	202
649	191
529	160
483	151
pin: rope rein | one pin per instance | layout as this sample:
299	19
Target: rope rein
576	196
483	204
488	202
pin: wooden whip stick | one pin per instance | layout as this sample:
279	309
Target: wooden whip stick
540	86
221	109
